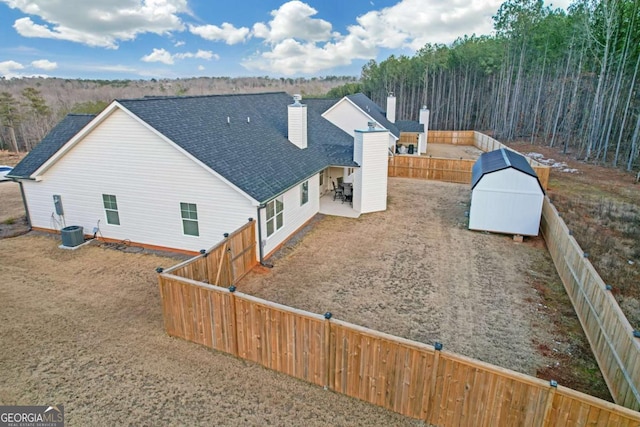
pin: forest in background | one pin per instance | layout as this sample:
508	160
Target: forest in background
30	107
567	79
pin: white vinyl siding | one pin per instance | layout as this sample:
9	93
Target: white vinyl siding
370	182
150	177
189	214
295	216
349	117
111	209
506	201
275	216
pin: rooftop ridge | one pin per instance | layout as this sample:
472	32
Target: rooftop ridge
216	95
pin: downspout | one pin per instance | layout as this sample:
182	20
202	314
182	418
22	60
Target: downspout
260	248
24	202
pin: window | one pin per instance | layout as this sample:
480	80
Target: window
321	179
304	193
350	171
275	215
189	213
111	209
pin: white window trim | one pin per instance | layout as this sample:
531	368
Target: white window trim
182	219
106	209
275	216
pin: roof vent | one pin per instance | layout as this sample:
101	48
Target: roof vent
228	119
372	125
248	119
297	98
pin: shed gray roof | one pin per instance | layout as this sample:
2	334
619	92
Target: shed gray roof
50	144
498	160
371	108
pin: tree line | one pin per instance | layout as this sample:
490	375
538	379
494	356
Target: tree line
30	107
561	78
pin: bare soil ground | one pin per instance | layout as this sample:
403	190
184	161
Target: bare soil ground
84	328
601	206
12	215
450	151
416	271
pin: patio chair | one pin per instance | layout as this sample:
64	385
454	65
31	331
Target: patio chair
337	192
348	194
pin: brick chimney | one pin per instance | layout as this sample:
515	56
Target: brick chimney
297	122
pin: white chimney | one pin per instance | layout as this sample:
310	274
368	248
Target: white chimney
371	152
391	108
424	121
424	116
297	122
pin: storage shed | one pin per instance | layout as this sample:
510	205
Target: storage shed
506	195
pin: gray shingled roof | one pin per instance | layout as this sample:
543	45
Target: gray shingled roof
409	126
376	113
500	159
56	138
253	154
320	105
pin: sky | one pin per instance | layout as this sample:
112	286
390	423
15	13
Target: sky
144	39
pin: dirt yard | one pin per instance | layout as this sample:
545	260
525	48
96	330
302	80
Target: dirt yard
12	215
84	328
448	151
416	271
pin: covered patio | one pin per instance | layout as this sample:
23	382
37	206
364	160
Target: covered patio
328	206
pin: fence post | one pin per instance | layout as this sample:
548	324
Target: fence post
432	387
549	405
327	349
234	320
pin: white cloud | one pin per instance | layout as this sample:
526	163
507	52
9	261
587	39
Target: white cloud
101	24
293	20
159	55
200	67
44	64
179	43
227	33
298	43
7	68
200	54
290	56
164	56
413	23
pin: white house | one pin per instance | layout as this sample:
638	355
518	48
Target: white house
506	195
357	111
179	172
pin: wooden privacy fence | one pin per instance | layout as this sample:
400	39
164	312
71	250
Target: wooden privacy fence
434	168
225	263
455	137
453	170
609	332
404	376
